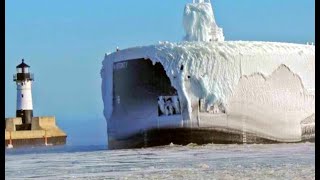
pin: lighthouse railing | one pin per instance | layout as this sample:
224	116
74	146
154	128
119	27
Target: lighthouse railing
23	76
31	76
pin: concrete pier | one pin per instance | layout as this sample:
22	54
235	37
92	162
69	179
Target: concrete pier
42	131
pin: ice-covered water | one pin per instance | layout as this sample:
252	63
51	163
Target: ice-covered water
277	161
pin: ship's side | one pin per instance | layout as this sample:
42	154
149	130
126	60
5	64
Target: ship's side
209	92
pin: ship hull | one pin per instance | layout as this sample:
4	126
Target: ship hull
185	136
222	97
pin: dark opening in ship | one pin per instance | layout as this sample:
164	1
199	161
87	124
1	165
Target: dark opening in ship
142	92
140	78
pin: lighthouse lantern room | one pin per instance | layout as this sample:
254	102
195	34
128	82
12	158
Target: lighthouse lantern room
23	79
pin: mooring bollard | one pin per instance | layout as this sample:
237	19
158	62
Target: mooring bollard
10	141
45	138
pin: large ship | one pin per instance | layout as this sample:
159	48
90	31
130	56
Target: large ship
208	90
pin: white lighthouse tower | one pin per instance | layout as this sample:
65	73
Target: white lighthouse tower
24	79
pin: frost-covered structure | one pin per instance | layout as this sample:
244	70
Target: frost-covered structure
199	22
216	91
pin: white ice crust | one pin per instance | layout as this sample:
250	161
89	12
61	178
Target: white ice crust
199	22
213	71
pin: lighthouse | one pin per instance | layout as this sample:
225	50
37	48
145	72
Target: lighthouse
24	129
23	79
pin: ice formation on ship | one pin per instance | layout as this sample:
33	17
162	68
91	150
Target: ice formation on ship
208	90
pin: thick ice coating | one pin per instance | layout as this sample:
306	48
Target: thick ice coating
263	88
270	85
199	22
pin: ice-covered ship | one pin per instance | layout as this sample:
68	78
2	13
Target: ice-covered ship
208	90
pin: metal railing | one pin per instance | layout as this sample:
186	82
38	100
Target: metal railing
23	76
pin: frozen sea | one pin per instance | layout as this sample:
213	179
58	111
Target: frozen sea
257	161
